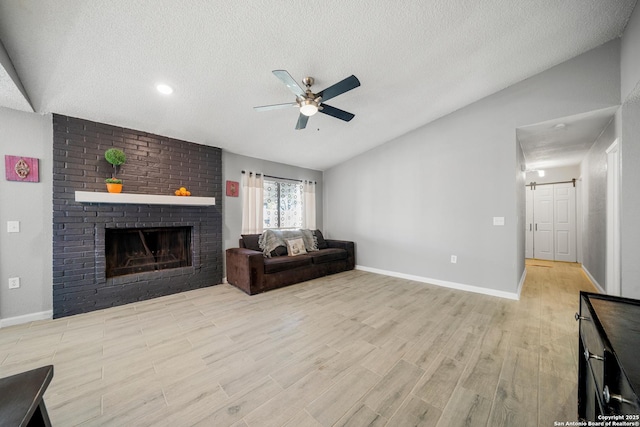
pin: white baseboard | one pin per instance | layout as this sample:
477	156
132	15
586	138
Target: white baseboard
446	284
26	318
521	284
593	280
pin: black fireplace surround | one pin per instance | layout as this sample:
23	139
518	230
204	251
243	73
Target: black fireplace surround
83	278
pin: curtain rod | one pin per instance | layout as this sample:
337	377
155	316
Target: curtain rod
279	177
535	184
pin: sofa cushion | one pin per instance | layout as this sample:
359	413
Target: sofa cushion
328	255
283	263
251	241
322	244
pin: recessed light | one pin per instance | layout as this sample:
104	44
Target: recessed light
560	126
164	89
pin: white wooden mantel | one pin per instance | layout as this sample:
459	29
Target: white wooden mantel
142	199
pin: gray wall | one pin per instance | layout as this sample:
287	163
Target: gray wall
564	173
630	197
232	167
630	153
594	204
416	200
27	254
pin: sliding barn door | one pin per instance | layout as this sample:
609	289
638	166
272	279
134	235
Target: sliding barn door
551	222
543	222
564	224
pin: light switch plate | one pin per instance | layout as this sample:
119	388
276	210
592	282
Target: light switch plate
498	220
13	226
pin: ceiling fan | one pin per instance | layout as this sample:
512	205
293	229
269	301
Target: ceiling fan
310	103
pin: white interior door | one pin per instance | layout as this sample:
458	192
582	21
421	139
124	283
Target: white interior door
543	246
528	223
564	222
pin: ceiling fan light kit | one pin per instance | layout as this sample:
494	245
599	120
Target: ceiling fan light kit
308	107
310	103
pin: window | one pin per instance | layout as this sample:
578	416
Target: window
282	204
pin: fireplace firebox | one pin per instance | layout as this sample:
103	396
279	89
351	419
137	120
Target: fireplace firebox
137	250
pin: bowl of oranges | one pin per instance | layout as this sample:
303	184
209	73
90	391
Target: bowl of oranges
182	191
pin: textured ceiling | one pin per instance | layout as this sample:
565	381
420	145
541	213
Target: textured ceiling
417	60
563	141
12	94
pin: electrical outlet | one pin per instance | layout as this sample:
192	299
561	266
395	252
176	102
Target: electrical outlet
14	282
454	259
13	226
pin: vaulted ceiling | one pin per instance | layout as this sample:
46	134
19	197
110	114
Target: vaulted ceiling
416	60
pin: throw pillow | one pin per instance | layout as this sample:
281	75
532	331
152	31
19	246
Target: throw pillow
251	241
279	251
295	247
322	244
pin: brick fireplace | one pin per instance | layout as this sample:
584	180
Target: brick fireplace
83	280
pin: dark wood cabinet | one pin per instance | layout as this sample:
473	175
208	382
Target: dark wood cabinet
609	357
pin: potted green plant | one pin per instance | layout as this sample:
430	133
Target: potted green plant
117	158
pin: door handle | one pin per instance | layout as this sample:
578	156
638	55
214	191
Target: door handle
588	355
536	227
578	317
608	397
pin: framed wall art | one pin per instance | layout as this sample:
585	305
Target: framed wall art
232	188
18	168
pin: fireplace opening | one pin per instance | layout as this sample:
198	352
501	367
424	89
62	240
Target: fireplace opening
136	250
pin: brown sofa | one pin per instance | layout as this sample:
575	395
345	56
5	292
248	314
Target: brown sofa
249	270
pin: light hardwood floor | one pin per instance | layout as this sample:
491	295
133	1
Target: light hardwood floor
352	349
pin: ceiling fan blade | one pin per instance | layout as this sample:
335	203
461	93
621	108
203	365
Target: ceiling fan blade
302	122
275	106
286	78
339	88
336	112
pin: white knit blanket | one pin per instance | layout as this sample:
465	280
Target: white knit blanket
271	239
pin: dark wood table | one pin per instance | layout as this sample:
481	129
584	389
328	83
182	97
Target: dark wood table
21	398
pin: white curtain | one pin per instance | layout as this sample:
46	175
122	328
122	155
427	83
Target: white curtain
309	205
252	203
